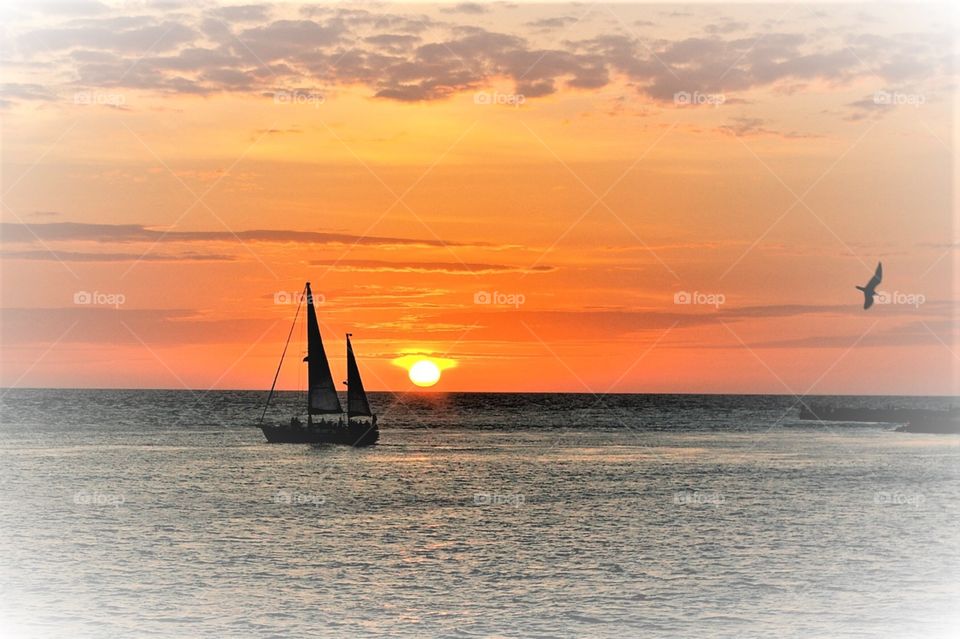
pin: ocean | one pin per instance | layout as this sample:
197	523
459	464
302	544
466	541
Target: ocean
165	514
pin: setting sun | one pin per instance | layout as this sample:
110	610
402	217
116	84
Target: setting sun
424	373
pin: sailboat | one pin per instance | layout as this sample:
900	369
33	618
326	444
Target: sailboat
326	421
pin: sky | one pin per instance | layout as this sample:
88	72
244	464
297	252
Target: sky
582	197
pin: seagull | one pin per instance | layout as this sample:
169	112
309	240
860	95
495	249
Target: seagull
871	288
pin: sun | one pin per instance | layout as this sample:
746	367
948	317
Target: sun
423	367
424	373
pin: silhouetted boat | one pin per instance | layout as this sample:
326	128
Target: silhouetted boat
322	398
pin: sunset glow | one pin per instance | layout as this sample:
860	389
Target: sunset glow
642	202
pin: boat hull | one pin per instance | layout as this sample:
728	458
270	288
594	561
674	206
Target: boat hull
349	435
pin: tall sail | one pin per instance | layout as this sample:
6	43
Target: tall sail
322	394
357	404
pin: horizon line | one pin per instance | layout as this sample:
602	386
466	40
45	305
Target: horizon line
423	391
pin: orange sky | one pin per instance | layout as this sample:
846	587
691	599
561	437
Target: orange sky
191	166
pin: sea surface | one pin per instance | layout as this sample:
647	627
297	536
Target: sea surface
165	514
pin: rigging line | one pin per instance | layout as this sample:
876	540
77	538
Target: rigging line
277	374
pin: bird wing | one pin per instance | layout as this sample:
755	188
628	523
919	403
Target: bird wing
877	277
867	300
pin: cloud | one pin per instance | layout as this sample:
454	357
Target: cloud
12	92
620	323
474	8
286	38
241	48
949	246
372	296
158	326
113	325
243	13
909	334
393	42
122	35
716	65
73	8
450	268
125	233
547	24
743	127
726	27
26	91
278	131
882	102
73	256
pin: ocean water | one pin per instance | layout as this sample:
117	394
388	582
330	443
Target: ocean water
165	514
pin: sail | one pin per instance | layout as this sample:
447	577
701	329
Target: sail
322	394
357	404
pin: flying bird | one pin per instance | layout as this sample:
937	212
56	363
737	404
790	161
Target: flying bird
871	288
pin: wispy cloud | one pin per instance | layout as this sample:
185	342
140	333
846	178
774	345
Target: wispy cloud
98	325
128	233
744	127
453	268
74	256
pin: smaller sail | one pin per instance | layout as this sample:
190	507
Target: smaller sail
357	404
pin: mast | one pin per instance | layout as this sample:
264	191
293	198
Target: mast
322	393
357	404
